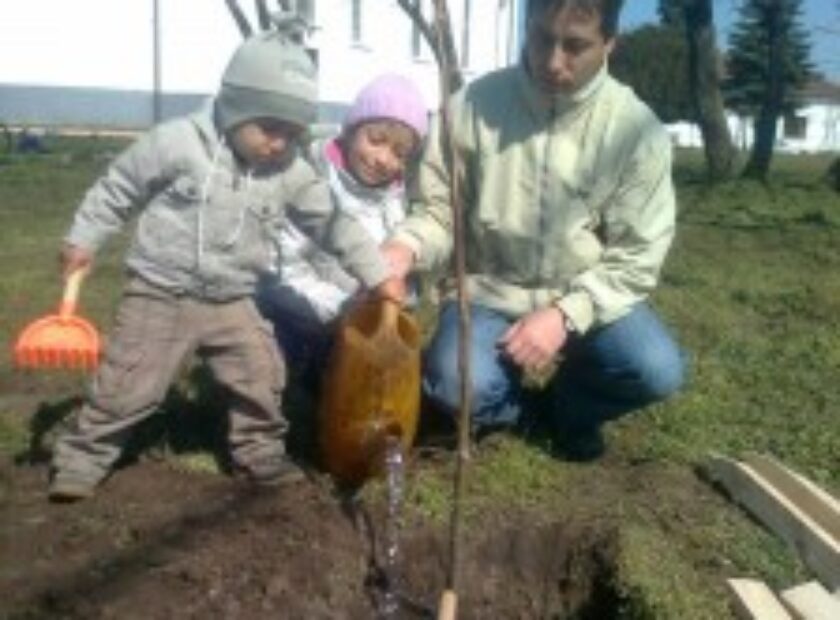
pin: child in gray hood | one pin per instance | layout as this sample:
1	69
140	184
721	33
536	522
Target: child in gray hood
211	192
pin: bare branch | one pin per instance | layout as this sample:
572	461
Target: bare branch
263	16
239	17
446	46
413	10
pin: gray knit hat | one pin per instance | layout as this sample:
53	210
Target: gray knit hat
270	75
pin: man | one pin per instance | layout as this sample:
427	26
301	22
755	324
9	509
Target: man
569	213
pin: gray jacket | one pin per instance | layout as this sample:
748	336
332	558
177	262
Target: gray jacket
206	226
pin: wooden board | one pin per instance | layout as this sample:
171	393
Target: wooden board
755	601
818	550
811	601
808	497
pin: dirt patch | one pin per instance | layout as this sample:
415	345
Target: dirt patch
157	542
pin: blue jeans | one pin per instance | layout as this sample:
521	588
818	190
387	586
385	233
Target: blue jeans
610	371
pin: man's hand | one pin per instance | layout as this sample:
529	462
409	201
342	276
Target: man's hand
534	340
399	257
74	258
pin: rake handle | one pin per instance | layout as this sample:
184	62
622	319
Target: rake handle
70	297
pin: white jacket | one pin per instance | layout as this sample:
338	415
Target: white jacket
314	276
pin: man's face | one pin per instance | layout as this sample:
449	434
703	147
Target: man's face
565	48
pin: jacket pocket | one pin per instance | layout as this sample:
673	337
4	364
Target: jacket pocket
185	191
167	229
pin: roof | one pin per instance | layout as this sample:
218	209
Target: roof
820	91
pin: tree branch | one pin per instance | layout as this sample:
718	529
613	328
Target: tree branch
240	19
263	16
412	9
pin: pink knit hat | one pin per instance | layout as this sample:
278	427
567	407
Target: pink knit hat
390	96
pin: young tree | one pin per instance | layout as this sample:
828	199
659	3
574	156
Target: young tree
769	62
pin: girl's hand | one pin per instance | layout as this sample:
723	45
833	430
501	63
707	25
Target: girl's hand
74	258
393	289
399	257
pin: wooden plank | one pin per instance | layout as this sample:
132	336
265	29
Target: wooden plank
818	550
811	601
808	497
755	601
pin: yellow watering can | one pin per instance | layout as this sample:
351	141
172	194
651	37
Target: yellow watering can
371	390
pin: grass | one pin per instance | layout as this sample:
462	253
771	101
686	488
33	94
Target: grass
751	291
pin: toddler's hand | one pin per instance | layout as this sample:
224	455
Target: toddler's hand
399	257
393	289
74	258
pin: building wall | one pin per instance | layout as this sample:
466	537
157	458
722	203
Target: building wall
816	131
345	65
385	44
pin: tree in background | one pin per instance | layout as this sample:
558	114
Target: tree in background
704	78
769	62
653	60
671	13
676	68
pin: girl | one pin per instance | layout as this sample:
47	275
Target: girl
365	167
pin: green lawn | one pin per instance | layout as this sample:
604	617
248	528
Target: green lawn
752	291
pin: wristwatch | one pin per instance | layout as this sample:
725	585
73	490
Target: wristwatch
567	322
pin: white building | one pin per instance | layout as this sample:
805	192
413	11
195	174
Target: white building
353	41
357	39
813	128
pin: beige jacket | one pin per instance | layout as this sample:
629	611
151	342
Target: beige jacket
568	200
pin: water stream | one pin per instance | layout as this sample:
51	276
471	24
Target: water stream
395	479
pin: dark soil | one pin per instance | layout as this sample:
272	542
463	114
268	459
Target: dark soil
161	542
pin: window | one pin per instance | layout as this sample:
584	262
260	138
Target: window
795	126
356	22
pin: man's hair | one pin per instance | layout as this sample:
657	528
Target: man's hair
607	9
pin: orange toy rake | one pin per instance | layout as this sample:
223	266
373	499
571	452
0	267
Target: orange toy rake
62	340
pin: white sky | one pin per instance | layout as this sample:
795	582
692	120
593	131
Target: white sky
108	43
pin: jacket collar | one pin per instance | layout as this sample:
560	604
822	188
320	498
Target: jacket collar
543	104
214	141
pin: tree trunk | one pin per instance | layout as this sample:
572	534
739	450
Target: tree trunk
832	175
771	108
704	82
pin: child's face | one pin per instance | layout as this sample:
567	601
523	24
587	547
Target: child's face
377	152
265	142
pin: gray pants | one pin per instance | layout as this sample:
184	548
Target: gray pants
155	332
